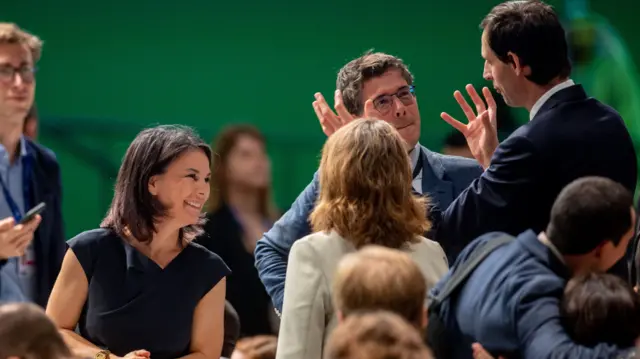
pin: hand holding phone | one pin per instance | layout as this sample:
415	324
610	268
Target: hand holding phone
33	212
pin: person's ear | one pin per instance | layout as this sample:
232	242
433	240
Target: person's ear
153	185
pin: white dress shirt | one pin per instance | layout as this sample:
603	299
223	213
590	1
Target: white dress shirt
414	154
547	95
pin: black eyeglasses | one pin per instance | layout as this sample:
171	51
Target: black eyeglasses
405	94
8	73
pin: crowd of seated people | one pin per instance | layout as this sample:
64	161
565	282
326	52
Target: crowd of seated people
524	249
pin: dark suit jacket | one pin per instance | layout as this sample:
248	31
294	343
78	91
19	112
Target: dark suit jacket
511	304
49	239
571	136
443	178
223	236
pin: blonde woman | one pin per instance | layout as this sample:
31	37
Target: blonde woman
365	198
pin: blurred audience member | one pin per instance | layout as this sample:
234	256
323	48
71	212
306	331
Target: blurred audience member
380	278
520	285
239	211
596	308
231	330
27	333
29	174
138	286
456	145
365	198
601	308
30	127
375	335
258	347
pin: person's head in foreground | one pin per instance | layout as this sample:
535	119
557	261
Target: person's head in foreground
592	222
257	347
375	335
365	187
379	278
601	308
27	333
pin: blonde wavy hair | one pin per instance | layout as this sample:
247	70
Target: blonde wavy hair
365	187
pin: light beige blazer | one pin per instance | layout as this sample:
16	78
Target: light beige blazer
308	316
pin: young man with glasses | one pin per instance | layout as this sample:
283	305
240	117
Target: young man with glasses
29	175
374	85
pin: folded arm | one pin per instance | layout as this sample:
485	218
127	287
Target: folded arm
273	248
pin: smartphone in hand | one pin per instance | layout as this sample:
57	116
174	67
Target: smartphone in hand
33	212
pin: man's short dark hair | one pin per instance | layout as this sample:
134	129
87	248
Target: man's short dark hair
134	208
601	308
587	212
353	75
531	30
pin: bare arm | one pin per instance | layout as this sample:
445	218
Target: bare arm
65	305
208	324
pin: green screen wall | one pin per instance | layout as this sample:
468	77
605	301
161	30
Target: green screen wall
112	68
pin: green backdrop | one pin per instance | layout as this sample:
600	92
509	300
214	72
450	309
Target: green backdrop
112	68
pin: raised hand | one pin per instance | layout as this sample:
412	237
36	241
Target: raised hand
331	121
481	130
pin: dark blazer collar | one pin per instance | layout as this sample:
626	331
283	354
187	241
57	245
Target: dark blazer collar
569	94
434	180
41	186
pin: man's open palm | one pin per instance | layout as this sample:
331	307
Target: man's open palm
481	131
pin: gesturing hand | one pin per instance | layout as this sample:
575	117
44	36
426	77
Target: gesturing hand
14	239
331	121
481	131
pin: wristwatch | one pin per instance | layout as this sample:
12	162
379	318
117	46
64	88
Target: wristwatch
103	354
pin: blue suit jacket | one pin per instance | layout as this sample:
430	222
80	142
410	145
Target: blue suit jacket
443	178
49	239
572	136
511	304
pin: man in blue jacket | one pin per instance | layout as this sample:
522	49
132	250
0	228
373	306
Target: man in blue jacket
29	175
510	303
373	85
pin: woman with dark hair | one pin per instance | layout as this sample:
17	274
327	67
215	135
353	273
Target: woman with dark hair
239	211
138	287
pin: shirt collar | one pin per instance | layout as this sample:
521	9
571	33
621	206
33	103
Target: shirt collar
4	155
414	153
547	95
542	237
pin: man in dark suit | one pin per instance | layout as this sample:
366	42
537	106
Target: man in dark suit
569	135
510	304
373	85
29	175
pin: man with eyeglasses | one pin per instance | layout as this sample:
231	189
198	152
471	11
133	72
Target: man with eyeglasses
29	174
374	85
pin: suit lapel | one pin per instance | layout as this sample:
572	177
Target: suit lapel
434	183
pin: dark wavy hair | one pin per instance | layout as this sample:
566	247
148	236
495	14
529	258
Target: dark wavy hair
134	211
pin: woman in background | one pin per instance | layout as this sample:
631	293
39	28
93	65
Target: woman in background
365	198
239	211
138	287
